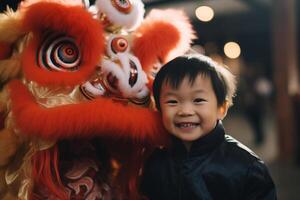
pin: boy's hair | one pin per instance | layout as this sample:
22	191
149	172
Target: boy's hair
192	65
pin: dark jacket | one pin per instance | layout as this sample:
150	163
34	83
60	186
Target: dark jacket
216	167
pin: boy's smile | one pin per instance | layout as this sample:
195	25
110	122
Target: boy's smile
190	111
187	125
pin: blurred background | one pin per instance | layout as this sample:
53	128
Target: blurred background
258	41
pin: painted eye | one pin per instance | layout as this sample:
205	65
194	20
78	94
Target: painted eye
123	6
119	45
59	53
133	74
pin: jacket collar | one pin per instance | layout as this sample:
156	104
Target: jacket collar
200	146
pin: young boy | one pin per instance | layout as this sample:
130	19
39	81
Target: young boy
193	94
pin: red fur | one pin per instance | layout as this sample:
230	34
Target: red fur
131	156
45	172
153	41
100	117
5	50
73	21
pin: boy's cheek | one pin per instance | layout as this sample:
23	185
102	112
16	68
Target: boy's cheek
168	117
166	121
169	111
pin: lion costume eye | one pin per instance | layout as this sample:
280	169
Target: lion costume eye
123	6
60	53
119	45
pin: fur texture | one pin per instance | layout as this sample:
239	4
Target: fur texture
163	35
11	31
84	119
10	26
87	33
153	41
45	172
26	3
179	20
128	21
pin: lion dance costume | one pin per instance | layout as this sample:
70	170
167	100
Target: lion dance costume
75	100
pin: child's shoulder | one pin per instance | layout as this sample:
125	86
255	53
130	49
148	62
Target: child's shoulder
250	166
238	152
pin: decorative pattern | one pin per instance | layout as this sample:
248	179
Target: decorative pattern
59	53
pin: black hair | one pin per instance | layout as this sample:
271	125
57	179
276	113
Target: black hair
191	66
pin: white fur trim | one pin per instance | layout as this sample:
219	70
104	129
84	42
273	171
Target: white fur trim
128	21
93	10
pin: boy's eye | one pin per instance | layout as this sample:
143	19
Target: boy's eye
199	100
171	102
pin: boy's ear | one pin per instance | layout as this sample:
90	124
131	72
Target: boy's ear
223	110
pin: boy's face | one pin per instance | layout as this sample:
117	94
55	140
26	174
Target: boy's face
190	111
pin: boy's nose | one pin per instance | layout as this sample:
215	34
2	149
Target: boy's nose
186	110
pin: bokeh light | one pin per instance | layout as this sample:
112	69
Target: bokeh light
204	13
232	50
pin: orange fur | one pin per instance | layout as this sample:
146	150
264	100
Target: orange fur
87	32
100	117
153	41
